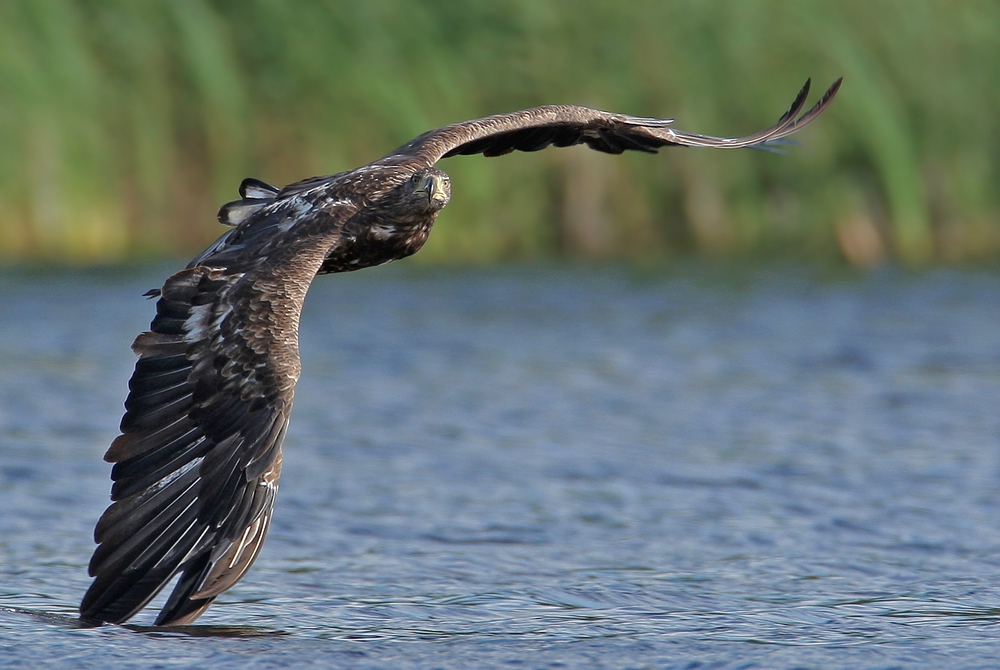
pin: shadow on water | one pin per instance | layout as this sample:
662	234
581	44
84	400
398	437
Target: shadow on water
70	621
207	631
53	618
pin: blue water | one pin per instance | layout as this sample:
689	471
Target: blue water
529	468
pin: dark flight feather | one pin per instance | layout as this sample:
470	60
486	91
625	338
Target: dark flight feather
196	467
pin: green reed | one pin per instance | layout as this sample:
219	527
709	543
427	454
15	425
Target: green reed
125	123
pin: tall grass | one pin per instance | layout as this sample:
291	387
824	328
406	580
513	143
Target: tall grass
125	123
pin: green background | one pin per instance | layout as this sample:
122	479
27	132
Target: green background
124	124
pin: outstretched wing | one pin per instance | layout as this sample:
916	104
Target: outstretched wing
197	464
566	125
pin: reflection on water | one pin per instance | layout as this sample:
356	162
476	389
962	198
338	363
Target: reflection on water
573	467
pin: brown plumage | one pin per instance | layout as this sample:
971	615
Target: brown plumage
197	464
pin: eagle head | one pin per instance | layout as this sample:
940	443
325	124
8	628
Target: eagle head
430	189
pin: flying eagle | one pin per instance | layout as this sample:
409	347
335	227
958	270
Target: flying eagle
197	464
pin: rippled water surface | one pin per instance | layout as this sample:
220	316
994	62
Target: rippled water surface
552	468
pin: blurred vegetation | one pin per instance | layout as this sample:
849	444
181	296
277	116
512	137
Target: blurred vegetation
124	124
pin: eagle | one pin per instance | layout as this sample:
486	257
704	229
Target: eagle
197	463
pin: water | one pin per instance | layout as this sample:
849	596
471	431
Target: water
552	469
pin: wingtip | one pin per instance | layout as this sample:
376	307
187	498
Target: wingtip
804	91
834	87
797	105
821	104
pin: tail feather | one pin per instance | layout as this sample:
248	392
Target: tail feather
254	195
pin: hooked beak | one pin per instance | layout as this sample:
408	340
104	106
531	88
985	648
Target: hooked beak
433	188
